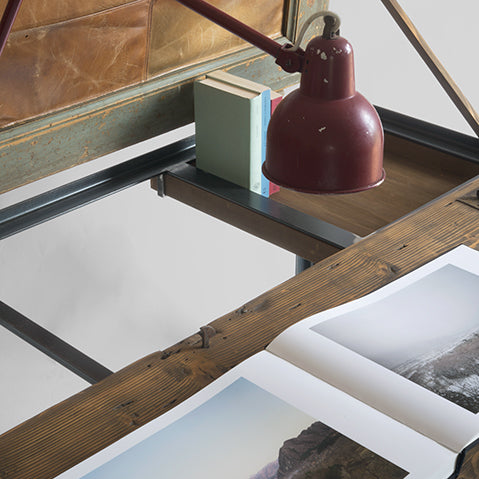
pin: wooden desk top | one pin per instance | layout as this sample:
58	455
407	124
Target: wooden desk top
415	175
71	431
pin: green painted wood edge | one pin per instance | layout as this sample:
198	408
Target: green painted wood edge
300	11
53	143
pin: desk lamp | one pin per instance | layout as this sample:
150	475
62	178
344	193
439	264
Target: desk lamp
324	137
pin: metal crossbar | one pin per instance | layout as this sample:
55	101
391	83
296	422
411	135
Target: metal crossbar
73	195
52	345
63	199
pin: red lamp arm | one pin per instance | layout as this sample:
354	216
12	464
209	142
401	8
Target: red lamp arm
290	61
7	20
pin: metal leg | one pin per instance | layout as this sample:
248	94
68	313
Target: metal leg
52	346
302	264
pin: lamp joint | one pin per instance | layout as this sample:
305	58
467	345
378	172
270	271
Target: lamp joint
290	59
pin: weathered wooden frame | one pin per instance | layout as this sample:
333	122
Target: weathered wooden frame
66	138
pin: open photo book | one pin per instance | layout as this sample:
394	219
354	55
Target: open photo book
386	386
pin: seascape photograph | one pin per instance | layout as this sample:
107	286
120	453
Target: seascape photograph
428	332
245	432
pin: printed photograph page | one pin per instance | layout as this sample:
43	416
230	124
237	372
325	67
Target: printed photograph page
267	419
410	349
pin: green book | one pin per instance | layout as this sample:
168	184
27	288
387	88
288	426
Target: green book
229	132
266	93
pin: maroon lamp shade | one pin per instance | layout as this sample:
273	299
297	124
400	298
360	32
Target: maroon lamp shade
325	137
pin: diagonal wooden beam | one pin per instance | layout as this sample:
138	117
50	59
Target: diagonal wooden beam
437	69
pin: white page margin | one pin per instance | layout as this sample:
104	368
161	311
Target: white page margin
413	452
419	408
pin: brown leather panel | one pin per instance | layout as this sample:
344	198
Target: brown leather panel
36	13
181	37
53	67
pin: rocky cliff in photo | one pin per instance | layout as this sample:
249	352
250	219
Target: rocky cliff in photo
319	452
452	374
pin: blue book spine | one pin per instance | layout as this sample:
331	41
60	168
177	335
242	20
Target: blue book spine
266	115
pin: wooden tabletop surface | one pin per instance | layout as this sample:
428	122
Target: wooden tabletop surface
73	430
415	175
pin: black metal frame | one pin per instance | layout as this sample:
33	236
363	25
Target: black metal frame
172	159
433	136
58	201
313	227
52	345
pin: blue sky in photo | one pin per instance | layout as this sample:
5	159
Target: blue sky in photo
234	434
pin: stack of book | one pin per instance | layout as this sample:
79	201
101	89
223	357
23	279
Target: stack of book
232	116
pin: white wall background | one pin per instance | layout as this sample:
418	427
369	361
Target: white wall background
134	273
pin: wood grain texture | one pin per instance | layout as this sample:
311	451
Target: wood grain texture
415	175
89	421
38	13
63	53
433	63
56	66
470	466
181	37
